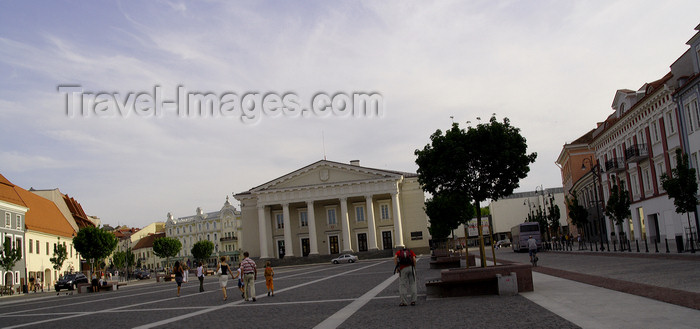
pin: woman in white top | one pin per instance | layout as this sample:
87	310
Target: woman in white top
200	276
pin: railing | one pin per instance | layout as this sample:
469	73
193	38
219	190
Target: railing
228	238
636	153
614	165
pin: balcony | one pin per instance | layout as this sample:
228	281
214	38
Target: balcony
228	238
615	165
637	153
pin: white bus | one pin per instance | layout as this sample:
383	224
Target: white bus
521	232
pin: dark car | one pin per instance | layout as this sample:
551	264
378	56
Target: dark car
142	274
70	281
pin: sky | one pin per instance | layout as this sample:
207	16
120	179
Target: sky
80	84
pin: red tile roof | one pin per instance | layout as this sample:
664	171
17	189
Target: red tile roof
43	215
8	193
147	241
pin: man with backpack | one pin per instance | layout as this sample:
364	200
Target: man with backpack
405	261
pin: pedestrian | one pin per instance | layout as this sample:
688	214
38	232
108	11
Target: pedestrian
250	274
241	287
200	276
405	261
225	273
532	248
269	273
95	283
177	270
185	272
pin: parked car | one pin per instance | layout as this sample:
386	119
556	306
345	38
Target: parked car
142	274
70	281
503	243
345	258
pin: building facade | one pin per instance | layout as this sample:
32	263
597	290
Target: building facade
572	158
329	207
219	227
13	211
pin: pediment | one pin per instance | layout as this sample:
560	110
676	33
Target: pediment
324	173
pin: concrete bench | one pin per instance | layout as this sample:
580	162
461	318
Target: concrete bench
80	287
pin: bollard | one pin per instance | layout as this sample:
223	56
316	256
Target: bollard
667	251
637	243
656	245
646	246
614	245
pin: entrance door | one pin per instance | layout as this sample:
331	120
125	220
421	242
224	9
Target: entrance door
333	244
280	248
386	240
362	242
654	222
305	247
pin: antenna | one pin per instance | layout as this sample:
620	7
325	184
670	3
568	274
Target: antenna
323	139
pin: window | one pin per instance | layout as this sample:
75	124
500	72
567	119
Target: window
190	228
654	132
331	217
8	219
207	226
360	213
37	247
303	219
31	247
215	226
670	125
47	248
384	210
635	185
689	114
19	222
279	218
645	180
417	235
18	246
178	230
694	108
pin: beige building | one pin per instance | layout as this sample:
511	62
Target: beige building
330	207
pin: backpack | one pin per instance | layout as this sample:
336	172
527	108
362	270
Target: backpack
405	257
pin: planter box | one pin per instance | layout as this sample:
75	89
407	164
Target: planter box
478	280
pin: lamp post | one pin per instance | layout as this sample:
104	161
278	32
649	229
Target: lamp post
595	170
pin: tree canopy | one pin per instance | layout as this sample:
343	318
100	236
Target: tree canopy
618	205
482	162
166	247
9	256
446	212
94	243
577	212
681	186
59	255
202	250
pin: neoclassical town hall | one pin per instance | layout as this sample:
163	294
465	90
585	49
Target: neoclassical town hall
329	208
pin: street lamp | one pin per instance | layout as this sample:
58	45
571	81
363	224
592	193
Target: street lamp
595	170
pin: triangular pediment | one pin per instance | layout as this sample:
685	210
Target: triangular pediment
324	173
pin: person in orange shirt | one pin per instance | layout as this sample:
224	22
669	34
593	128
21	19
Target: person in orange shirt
269	273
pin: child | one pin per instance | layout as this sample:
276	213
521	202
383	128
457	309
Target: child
240	282
269	273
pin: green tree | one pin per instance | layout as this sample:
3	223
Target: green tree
618	207
59	255
481	163
553	215
94	244
446	212
9	256
166	247
577	212
683	188
202	250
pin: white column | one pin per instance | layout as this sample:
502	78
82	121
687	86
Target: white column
310	213
288	246
398	230
262	229
370	223
345	224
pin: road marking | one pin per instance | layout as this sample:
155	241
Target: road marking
212	309
343	314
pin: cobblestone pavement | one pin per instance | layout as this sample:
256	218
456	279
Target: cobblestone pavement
364	294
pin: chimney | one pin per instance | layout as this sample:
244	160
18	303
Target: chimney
355	162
